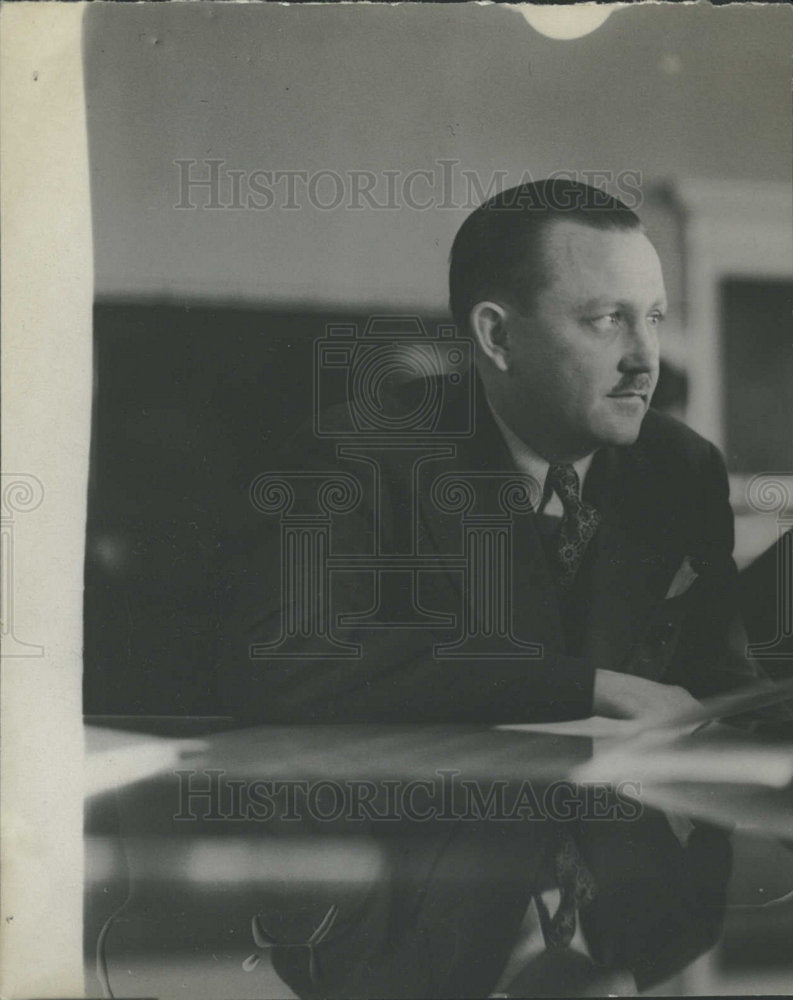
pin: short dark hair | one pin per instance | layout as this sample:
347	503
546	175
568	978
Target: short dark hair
498	249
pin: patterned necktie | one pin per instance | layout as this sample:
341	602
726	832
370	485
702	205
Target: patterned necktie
576	889
579	524
575	881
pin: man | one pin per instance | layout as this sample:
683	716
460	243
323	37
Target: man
563	294
621	588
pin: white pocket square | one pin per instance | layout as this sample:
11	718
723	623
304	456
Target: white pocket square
682	580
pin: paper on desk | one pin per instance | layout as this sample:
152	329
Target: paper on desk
726	763
762	810
595	726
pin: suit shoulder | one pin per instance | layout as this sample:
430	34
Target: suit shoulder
681	480
667	440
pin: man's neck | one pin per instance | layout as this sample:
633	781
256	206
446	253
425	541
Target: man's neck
530	462
549	456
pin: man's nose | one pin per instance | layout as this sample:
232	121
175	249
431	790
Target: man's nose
641	350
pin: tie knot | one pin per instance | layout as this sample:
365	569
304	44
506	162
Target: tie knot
563	480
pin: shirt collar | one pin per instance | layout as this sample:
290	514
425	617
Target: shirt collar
531	464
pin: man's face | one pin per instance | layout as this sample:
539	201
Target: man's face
583	362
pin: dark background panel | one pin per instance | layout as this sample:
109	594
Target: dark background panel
758	369
190	404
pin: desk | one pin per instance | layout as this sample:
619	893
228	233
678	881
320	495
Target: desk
189	872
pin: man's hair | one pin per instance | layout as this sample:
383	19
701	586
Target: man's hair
498	249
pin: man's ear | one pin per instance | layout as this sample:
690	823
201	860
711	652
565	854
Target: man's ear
489	324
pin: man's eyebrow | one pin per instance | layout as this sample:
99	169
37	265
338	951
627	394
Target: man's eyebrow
603	302
606	301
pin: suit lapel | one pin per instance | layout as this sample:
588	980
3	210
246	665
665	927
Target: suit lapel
535	611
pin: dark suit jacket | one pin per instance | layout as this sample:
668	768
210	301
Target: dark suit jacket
662	499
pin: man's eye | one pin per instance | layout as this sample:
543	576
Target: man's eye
609	321
656	318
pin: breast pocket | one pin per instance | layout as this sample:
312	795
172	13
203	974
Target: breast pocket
652	654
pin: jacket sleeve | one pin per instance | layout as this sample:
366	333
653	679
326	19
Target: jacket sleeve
713	657
373	674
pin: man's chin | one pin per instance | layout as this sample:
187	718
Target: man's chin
624	432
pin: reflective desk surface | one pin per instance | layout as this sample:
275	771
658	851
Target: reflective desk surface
189	821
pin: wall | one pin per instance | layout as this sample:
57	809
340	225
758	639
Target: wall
669	91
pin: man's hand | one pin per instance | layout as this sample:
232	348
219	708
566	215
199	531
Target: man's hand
623	696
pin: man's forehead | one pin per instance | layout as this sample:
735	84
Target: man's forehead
601	260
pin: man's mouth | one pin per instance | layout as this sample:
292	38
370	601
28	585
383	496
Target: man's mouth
629	395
